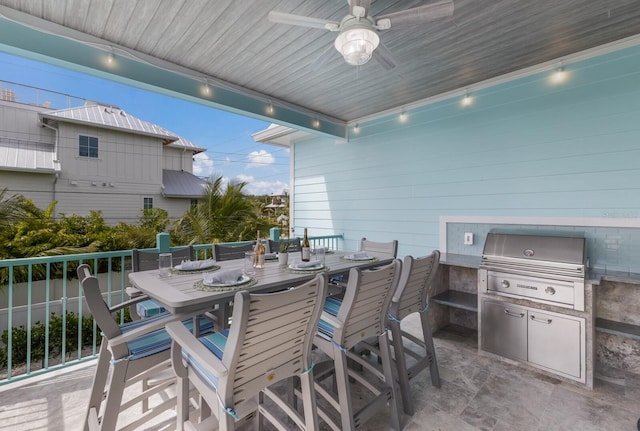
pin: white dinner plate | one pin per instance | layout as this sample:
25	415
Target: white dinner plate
306	268
352	257
179	267
242	280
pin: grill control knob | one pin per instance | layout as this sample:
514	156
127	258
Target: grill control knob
505	283
550	290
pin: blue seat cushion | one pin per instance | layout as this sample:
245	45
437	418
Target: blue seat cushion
331	306
159	340
149	308
216	343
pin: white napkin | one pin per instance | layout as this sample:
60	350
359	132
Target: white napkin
306	264
190	265
359	255
270	255
223	277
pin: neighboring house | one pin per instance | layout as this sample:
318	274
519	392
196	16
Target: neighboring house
95	157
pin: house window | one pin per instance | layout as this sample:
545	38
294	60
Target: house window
194	203
148	203
88	146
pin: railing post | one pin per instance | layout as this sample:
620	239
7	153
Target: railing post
274	234
162	242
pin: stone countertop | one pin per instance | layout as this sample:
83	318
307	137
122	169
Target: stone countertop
462	260
594	275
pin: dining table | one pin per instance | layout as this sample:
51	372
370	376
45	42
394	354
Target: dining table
183	292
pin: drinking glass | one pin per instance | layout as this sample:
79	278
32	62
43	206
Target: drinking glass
164	264
249	256
320	255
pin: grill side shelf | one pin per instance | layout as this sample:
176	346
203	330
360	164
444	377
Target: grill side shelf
458	299
618	328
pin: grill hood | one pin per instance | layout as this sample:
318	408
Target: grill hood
558	249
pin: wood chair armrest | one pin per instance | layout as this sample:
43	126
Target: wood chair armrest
133	291
127	303
145	329
185	339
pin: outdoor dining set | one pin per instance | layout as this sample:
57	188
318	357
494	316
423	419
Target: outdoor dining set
285	343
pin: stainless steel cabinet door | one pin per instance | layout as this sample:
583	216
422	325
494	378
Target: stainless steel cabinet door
555	342
504	330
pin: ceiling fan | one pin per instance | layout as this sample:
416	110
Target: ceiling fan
358	40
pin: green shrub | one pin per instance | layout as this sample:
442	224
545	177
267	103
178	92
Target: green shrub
38	333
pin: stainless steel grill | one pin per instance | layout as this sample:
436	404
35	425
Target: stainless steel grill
545	269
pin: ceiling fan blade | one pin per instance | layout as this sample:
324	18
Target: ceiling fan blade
418	15
383	56
361	3
322	59
299	20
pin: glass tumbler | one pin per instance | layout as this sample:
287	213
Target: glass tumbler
249	257
320	254
164	264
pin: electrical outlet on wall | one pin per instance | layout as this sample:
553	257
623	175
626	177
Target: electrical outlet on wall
468	238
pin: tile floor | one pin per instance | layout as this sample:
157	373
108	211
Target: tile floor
477	393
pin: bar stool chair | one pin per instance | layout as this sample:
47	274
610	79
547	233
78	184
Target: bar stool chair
223	252
128	353
143	260
339	280
294	245
270	340
412	295
390	247
346	322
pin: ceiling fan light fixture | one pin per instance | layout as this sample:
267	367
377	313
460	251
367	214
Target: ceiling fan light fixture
356	44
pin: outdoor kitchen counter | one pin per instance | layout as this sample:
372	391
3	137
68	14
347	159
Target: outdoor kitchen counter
616	309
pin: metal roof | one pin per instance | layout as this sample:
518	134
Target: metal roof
112	117
181	184
18	155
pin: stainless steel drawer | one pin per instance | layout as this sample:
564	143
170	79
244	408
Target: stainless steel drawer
504	330
555	342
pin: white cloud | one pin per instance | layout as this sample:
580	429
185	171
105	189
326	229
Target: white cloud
260	158
245	178
202	165
260	188
266	187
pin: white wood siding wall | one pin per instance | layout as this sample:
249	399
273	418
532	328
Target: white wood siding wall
177	159
524	148
23	123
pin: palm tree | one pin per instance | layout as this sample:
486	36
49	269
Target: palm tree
12	208
223	215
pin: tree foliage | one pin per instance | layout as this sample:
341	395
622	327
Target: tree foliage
224	214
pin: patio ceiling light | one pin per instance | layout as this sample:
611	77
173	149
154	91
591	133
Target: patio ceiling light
357	43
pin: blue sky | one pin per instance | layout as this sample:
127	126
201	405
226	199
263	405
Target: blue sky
231	152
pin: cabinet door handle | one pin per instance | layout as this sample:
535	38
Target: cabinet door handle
535	319
512	314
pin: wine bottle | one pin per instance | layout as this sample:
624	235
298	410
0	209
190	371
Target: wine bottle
306	249
259	253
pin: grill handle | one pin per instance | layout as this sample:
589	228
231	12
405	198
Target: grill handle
512	314
535	319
